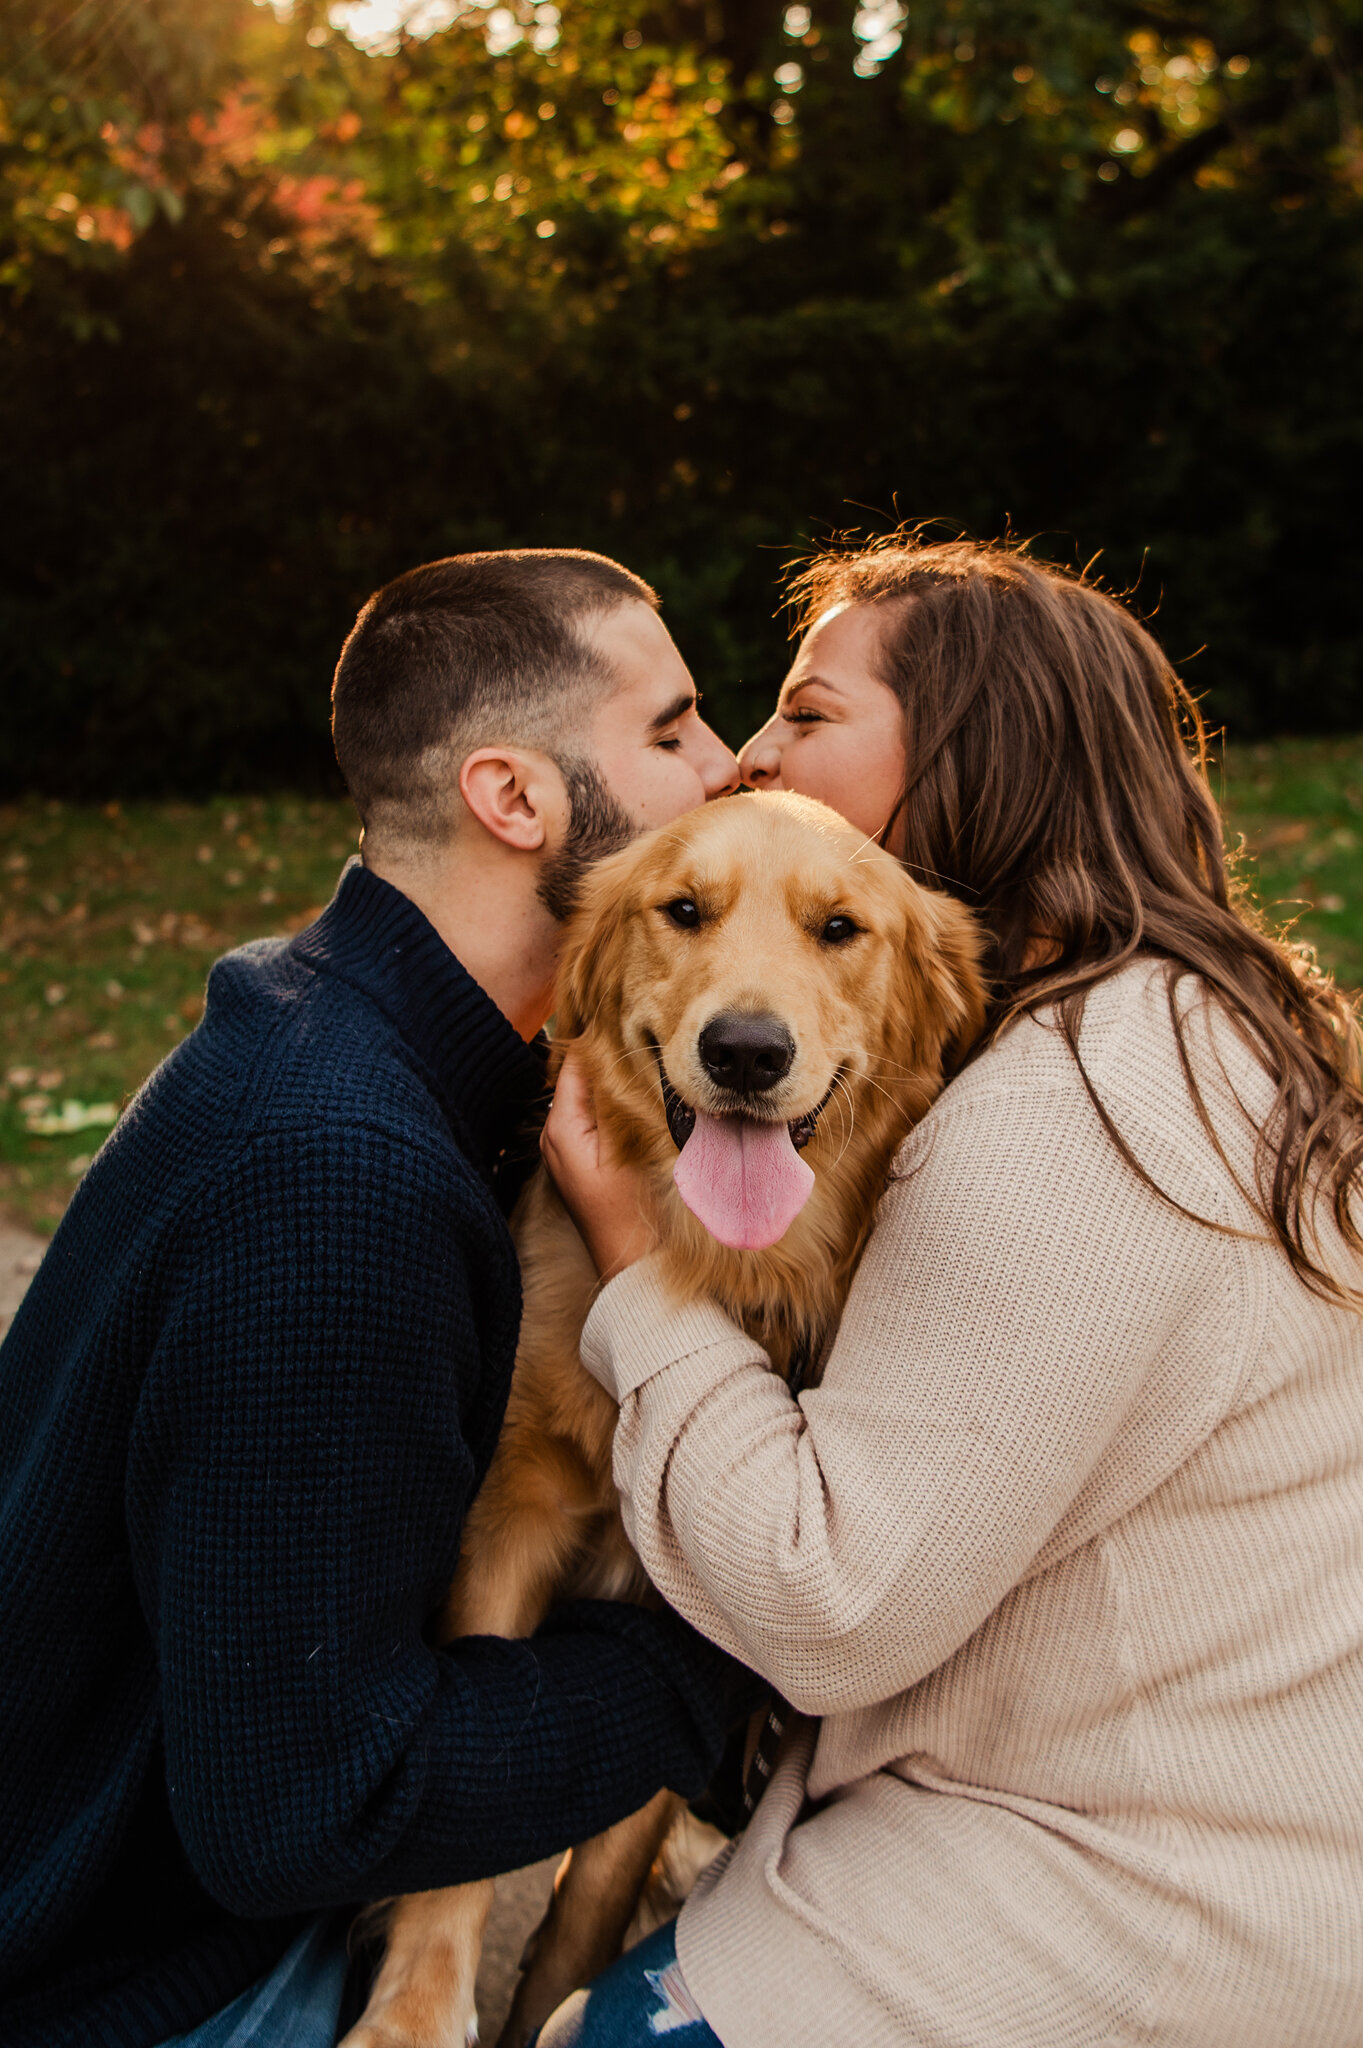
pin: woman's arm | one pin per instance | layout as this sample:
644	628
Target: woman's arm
1024	1301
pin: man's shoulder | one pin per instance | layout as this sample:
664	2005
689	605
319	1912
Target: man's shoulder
291	1066
290	1048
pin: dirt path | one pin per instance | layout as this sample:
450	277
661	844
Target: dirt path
522	1897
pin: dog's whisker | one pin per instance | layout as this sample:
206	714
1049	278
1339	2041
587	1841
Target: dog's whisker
846	1132
844	1093
896	1067
637	1052
631	1052
892	1099
841	1093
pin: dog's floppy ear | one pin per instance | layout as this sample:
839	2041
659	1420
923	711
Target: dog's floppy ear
945	990
588	974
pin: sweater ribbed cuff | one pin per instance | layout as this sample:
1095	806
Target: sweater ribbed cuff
637	1329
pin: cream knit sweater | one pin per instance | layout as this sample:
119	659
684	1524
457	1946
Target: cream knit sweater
1065	1554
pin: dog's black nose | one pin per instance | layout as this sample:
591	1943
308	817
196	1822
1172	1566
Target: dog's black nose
746	1053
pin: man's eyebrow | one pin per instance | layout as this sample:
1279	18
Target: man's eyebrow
678	708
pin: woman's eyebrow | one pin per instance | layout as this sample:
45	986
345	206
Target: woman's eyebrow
804	683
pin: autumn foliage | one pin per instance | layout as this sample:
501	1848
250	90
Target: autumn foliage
281	314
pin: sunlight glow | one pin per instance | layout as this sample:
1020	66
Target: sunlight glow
379	25
879	27
376	25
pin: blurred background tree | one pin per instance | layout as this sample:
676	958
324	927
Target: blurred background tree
292	297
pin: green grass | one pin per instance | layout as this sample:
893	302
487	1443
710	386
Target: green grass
110	919
1299	806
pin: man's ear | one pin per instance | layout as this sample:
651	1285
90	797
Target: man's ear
517	796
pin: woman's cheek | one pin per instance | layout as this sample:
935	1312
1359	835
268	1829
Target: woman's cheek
800	770
816	770
863	790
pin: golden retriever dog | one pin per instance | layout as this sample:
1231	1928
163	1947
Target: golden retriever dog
763	1003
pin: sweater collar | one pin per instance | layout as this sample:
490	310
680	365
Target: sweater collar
487	1077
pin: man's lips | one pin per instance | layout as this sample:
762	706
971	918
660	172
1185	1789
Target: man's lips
681	1118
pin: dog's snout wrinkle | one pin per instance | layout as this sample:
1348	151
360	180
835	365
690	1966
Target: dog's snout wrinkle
745	1053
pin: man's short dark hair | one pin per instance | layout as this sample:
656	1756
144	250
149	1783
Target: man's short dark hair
477	650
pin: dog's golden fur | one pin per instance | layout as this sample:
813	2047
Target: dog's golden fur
873	1018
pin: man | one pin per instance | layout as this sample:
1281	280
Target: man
258	1378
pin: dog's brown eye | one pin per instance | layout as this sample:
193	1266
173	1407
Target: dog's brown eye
683	912
838	931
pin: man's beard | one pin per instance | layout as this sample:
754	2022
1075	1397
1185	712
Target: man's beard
597	825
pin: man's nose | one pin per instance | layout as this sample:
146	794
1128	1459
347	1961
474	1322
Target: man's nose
759	759
719	771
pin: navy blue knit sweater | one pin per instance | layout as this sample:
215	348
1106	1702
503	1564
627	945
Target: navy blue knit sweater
243	1410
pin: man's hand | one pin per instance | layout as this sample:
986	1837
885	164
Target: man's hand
607	1200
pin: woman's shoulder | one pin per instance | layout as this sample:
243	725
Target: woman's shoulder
1145	1027
1126	1024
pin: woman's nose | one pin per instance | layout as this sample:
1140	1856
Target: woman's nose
759	759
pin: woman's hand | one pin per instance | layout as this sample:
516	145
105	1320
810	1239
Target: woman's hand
605	1198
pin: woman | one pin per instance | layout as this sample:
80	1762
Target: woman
1060	1563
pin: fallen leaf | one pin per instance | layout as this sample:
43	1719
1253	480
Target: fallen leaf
73	1116
1290	834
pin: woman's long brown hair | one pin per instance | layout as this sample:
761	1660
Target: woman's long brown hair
1056	781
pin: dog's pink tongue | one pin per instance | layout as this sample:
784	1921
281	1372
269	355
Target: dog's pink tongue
745	1181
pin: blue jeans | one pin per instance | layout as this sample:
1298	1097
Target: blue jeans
637	2002
296	2006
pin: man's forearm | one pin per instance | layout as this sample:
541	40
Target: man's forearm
540	1744
478	1759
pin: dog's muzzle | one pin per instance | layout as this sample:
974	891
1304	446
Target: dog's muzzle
681	1118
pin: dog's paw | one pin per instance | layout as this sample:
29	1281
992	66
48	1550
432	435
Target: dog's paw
376	2034
377	2031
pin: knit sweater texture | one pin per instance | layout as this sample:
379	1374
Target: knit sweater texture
243	1409
1062	1561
